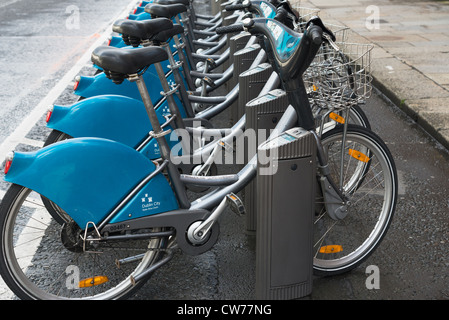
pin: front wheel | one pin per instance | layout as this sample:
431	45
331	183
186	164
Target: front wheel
40	259
364	169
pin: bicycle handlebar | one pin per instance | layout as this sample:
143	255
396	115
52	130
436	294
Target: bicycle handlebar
230	29
316	34
281	15
239	6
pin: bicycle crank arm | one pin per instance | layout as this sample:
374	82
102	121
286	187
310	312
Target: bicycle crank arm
197	233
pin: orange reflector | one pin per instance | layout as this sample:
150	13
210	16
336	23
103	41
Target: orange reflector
315	88
358	155
331	249
94	281
336	117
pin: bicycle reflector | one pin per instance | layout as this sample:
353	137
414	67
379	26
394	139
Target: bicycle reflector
77	83
49	113
337	117
8	161
358	155
331	249
94	281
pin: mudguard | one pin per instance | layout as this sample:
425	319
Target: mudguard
117	42
140	16
112	117
90	86
89	177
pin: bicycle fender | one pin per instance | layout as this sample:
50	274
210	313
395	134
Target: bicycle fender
112	117
140	16
90	86
89	177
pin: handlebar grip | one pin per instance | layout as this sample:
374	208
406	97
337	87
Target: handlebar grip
239	6
281	15
316	34
230	29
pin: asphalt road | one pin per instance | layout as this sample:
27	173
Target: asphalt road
41	56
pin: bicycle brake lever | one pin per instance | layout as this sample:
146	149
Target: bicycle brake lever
318	22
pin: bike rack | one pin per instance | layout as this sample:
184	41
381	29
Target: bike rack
284	235
281	221
237	43
252	82
243	61
262	113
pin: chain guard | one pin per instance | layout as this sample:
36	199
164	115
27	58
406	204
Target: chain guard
180	220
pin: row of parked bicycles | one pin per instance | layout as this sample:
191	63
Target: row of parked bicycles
104	204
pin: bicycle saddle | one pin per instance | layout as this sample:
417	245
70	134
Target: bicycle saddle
133	31
143	29
165	35
167	2
119	62
166	11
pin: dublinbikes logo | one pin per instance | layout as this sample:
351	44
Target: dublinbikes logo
228	146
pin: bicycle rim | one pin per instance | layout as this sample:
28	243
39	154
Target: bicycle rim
36	265
370	184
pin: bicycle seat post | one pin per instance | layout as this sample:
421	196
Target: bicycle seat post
174	67
159	134
168	93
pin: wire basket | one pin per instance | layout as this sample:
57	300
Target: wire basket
339	77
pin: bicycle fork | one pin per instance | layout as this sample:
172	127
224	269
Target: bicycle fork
334	200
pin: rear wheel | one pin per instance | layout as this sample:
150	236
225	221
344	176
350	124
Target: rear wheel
40	259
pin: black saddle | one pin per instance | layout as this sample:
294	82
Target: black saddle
184	2
133	31
166	11
165	35
117	63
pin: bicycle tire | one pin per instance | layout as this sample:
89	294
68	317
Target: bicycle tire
341	245
34	262
55	211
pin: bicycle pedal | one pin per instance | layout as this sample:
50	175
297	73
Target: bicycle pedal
211	63
226	146
236	204
209	82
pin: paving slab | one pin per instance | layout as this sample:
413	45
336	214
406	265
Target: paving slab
411	54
